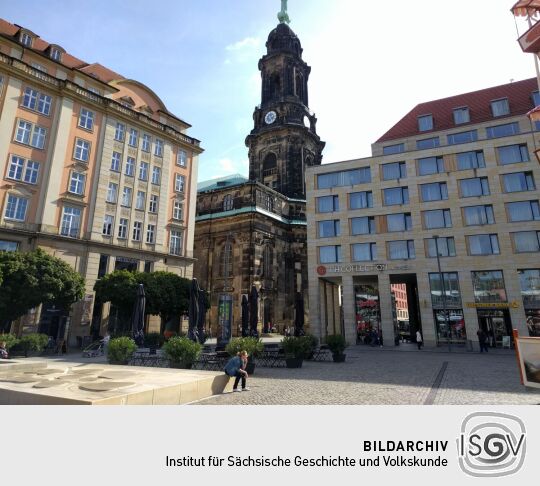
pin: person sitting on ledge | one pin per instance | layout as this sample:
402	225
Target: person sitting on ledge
3	351
236	367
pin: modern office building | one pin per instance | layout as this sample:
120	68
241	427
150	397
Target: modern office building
451	191
93	169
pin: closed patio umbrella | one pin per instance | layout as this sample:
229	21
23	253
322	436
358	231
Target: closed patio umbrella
201	318
193	310
245	316
299	317
137	318
253	311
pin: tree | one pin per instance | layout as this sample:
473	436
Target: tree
120	289
33	278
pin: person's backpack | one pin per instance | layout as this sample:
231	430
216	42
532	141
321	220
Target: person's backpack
232	366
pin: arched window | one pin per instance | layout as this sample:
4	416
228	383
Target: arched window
226	260
269	164
228	202
299	86
275	85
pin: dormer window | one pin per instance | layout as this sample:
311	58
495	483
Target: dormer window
500	107
461	115
425	123
56	54
26	39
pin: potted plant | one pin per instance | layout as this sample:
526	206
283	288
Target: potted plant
33	342
337	344
295	349
120	350
312	343
182	352
252	345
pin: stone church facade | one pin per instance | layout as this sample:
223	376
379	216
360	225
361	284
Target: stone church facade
253	232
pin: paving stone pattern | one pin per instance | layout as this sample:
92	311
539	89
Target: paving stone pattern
373	376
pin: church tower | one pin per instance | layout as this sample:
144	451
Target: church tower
284	139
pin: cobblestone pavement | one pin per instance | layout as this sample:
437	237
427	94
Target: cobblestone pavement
373	376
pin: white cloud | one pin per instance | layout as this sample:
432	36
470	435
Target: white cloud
247	43
227	166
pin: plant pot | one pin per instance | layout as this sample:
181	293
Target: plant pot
338	357
294	362
250	368
180	366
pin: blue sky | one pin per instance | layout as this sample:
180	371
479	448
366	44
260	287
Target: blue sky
371	61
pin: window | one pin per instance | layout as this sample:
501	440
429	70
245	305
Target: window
430	165
395	195
153	205
158	150
435	191
425	123
362	226
483	245
398	222
112	193
86	119
269	203
364	252
478	215
39	67
523	211
116	161
451	296
446	246
30	134
530	291
535	95
489	286
71	222
82	150
344	178
327	204
329	228
16	208
140	200
175	243
427	143
146	142
462	137
437	218
76	183
120	132
470	160
394	149
133	135
108	221
143	171
150	233
137	228
502	130
179	183
518	181
55	54
500	107
156	175
130	167
8	245
526	241
396	170
126	197
19	166
461	115
36	101
330	254
181	158
476	186
513	154
359	200
401	250
178	210
26	39
228	202
123	228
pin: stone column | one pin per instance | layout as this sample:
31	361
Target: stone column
385	302
349	321
425	309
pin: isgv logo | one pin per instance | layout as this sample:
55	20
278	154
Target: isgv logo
491	444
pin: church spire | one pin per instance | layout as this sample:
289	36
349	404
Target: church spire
283	16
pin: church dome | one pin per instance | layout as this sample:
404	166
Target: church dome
283	39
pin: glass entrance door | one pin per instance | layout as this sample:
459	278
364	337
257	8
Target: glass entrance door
497	325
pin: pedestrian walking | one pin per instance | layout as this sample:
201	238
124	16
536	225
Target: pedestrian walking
419	340
236	367
482	340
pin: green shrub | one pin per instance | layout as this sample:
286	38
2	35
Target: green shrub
121	349
252	345
154	340
182	351
336	343
298	347
9	339
313	342
33	342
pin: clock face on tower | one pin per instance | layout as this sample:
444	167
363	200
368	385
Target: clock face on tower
270	117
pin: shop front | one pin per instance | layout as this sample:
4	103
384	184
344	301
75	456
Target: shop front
530	293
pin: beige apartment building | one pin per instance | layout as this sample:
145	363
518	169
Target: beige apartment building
93	169
451	191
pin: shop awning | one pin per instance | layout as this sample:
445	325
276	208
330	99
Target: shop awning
526	8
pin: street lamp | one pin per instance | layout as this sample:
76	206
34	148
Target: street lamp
448	330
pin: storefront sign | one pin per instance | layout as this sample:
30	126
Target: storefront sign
493	305
354	267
